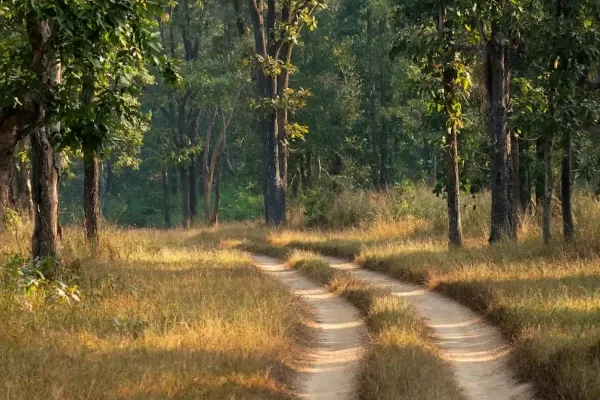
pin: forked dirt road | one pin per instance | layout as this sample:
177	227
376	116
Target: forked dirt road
334	362
475	350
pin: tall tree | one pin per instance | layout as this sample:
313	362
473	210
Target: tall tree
276	28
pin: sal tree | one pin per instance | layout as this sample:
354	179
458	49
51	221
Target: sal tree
277	26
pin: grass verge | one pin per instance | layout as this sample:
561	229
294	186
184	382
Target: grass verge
545	299
164	315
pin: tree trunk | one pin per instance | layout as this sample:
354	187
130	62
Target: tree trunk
566	186
433	172
540	174
515	182
166	200
5	167
185	200
455	235
91	204
275	190
91	179
193	169
548	188
383	154
214	221
45	167
451	149
14	125
501	226
194	189
45	161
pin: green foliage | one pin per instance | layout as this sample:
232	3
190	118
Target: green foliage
28	278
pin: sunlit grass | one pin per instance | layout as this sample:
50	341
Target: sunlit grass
546	299
164	315
402	362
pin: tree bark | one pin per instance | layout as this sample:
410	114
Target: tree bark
455	234
14	125
214	221
193	168
515	182
540	148
45	161
501	226
274	189
45	167
548	189
91	179
91	203
566	186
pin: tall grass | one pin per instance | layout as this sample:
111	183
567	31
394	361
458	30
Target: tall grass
164	315
402	362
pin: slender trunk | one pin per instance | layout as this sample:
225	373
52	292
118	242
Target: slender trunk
166	200
91	205
501	226
566	186
5	166
455	235
193	169
91	179
214	221
434	167
194	189
516	182
308	181
540	146
451	149
238	16
275	190
45	162
548	187
383	154
207	200
185	200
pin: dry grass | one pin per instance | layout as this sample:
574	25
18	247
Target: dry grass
402	362
166	315
546	299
